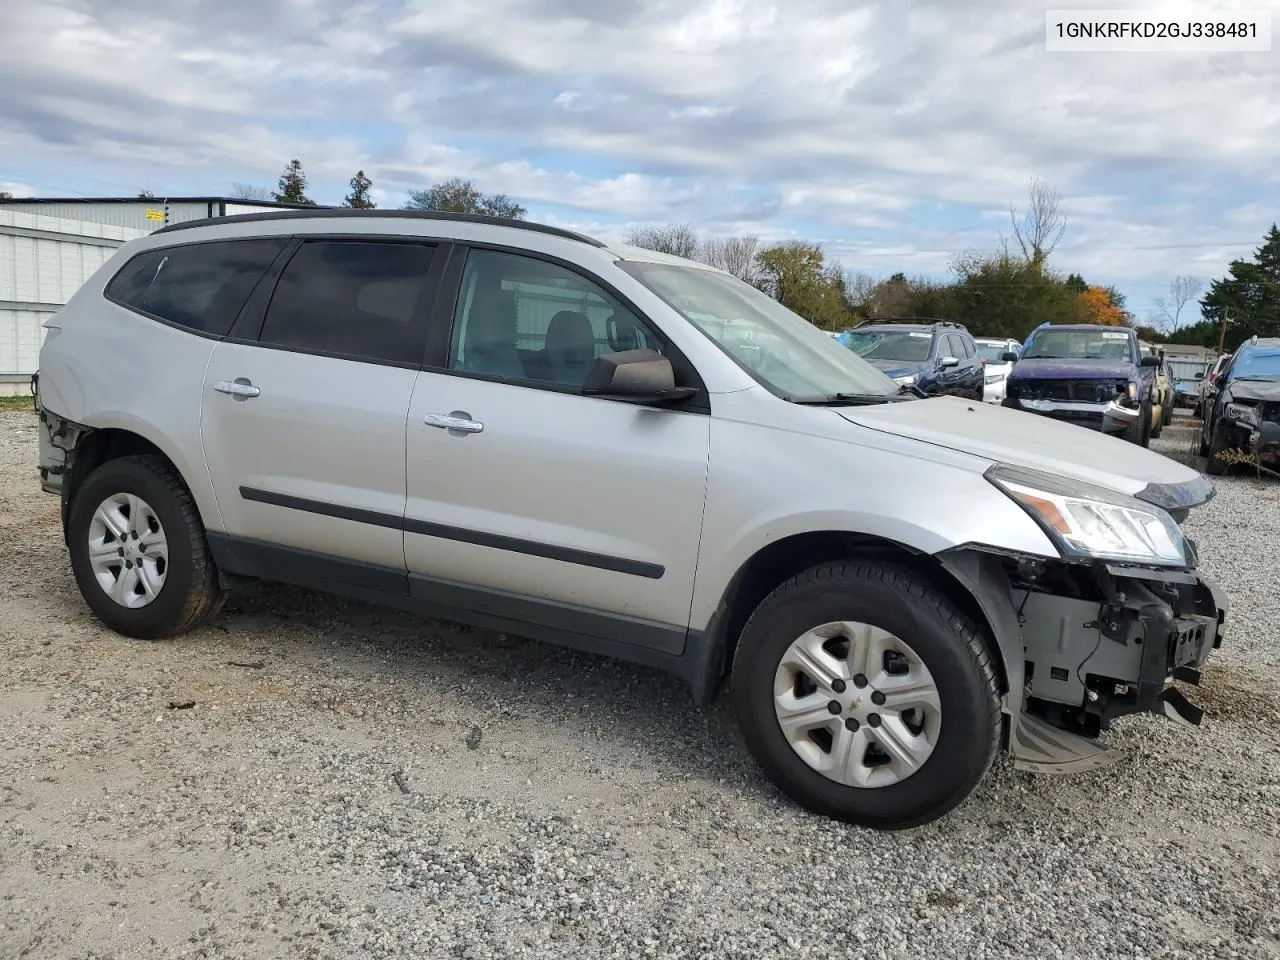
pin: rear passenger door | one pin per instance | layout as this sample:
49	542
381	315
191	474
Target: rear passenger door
305	405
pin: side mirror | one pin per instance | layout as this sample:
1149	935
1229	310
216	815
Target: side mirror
948	362
634	376
1009	357
1149	361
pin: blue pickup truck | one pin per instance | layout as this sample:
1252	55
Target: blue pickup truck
1093	376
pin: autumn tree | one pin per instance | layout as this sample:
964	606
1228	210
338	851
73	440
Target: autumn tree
292	187
1096	307
797	275
458	195
359	198
1005	295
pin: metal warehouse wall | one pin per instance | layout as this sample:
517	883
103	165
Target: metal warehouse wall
43	261
132	215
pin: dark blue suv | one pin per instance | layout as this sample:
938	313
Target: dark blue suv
1093	376
934	356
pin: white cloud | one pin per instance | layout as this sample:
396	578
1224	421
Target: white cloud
897	134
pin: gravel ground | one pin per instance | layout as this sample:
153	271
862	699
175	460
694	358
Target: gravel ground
355	783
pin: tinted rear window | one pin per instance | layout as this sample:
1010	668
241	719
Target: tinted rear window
200	286
357	299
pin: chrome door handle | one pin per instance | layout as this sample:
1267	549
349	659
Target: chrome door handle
457	422
240	388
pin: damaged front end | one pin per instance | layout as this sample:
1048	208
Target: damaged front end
1251	419
1086	639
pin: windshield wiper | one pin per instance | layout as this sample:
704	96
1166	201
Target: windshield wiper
844	399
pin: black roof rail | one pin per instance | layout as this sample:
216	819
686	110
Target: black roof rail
345	213
919	321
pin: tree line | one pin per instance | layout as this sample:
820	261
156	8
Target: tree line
1005	293
1002	294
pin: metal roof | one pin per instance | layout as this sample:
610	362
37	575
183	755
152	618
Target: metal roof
202	199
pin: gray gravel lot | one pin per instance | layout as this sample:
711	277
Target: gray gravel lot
351	782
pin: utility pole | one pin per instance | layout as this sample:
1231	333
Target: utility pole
1222	333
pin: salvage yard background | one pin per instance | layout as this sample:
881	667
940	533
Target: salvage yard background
311	777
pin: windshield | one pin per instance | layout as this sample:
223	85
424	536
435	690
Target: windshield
784	352
908	346
992	352
1257	365
1079	345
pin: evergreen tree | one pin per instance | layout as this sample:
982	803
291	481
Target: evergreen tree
1249	295
293	185
359	195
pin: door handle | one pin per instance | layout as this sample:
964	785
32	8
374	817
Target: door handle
240	388
458	422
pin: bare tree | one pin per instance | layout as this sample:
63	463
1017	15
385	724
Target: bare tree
859	288
1041	225
678	239
249	191
735	255
1182	290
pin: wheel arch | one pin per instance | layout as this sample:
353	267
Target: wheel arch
101	444
779	560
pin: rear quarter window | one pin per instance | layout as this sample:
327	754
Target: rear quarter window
199	286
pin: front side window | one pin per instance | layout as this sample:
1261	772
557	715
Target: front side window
1079	345
780	349
522	318
364	300
200	286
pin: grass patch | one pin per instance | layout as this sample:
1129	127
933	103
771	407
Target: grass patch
16	403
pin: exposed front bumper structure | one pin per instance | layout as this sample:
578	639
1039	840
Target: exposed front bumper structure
1110	417
1084	644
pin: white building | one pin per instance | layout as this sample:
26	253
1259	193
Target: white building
50	246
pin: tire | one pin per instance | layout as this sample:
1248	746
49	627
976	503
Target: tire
187	591
1139	431
1213	466
1157	424
1167	411
951	649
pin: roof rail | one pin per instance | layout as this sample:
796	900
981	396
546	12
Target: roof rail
922	321
343	214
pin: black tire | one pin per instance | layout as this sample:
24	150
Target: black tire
1167	412
1157	425
950	645
1213	466
1139	431
190	593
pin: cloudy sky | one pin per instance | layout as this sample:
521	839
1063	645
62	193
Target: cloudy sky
896	133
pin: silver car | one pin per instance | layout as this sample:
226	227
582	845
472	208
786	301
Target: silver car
600	446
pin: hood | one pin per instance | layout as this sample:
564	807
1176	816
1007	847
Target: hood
898	368
1039	443
1053	369
1260	390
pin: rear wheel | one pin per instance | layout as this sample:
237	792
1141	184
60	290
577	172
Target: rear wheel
865	695
138	550
1213	465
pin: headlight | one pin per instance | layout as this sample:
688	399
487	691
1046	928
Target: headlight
1091	522
1239	411
905	381
994	377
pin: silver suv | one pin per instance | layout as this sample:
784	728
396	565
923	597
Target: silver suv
526	429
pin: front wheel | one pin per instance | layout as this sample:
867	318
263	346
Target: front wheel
865	695
138	550
1139	431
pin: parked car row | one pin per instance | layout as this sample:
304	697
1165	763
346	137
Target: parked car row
530	430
